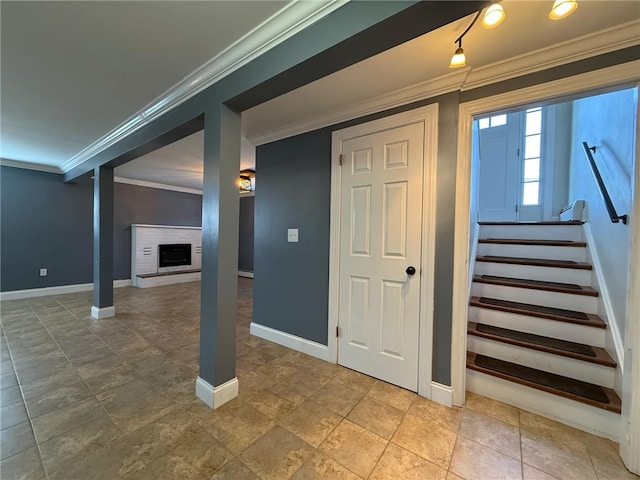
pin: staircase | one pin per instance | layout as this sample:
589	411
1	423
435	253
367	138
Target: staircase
534	339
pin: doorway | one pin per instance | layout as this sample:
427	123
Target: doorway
381	293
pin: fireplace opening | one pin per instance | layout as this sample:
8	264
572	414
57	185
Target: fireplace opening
174	255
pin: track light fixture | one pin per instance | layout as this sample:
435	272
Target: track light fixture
493	16
458	59
562	9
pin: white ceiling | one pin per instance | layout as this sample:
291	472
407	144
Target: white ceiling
87	88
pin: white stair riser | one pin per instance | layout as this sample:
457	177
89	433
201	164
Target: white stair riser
567	301
547	362
533	232
538	326
577	254
585	417
547	274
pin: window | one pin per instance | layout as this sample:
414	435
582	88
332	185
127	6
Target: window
495	121
531	164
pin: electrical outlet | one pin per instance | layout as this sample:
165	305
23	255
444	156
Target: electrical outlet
292	235
43	272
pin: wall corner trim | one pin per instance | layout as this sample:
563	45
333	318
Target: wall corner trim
442	394
215	397
103	312
291	341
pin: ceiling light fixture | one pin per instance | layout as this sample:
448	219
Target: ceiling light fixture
458	59
493	17
562	9
246	180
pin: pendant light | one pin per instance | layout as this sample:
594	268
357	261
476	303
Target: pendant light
493	16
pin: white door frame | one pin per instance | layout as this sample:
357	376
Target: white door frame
626	73
429	116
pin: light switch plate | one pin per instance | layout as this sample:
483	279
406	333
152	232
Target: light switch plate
292	235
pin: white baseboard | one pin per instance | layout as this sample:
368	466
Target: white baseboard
104	312
59	290
215	397
160	280
291	341
442	394
243	273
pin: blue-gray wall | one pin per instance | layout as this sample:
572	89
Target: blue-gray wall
49	223
291	279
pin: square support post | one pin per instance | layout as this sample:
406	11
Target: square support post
103	243
217	382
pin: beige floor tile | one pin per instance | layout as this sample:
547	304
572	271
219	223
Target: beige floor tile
108	381
198	457
73	445
453	476
234	470
13	414
239	427
447	417
392	395
311	422
556	458
337	397
10	395
606	459
16	439
25	465
356	380
283	391
67	418
555	432
41	399
432	442
396	462
473	461
530	473
273	406
354	447
321	467
276	455
377	417
490	432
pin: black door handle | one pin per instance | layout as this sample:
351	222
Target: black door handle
411	271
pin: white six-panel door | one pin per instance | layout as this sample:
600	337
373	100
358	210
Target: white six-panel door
380	225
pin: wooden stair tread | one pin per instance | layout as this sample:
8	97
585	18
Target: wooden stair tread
526	241
535	262
556	222
541	343
587	393
536	285
558	314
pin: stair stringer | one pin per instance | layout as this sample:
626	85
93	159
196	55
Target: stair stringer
614	343
575	414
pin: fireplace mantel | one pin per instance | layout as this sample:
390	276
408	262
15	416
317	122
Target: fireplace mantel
145	239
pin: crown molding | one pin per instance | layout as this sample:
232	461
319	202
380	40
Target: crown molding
161	186
598	43
419	91
285	23
40	167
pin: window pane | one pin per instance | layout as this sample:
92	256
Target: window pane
483	123
534	122
530	193
532	146
499	120
532	169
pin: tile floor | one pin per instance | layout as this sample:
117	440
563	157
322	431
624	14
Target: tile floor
114	398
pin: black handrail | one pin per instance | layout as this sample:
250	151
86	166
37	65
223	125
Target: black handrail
615	218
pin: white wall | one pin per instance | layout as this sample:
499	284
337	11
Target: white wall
608	122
